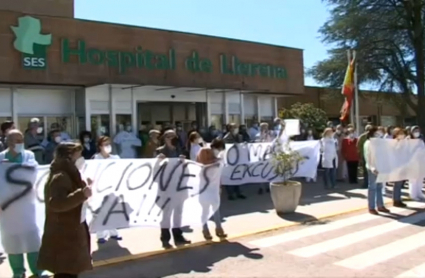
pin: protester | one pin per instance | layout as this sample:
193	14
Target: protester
277	127
212	134
350	155
5	128
244	134
398	134
265	135
89	147
374	196
31	140
104	150
19	231
53	140
65	247
415	185
126	141
360	150
329	151
152	144
170	150
389	132
206	156
339	136
194	145
253	131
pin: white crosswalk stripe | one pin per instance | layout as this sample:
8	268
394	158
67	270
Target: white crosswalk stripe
418	271
312	247
353	238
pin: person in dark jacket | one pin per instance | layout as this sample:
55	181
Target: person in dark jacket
243	132
89	146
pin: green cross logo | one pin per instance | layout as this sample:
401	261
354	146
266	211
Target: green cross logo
31	43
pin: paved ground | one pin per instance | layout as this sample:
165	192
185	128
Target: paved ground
356	245
240	217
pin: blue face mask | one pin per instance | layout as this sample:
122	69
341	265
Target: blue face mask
19	148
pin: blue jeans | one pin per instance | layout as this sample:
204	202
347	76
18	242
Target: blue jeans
374	192
397	191
217	220
329	177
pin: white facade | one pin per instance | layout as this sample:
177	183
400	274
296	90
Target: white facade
102	107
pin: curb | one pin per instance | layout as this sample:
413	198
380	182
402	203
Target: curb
133	257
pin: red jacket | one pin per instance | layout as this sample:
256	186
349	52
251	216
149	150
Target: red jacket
349	149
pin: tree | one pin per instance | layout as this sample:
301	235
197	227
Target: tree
307	113
388	36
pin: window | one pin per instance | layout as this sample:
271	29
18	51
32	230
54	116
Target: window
100	125
234	119
217	121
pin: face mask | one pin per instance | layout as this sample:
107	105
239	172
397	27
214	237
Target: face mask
179	128
338	132
236	131
58	139
79	163
416	134
351	136
310	132
120	127
107	149
302	131
39	130
216	153
86	140
19	148
128	128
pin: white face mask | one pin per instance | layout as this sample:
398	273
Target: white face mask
128	128
19	148
216	153
58	139
236	131
39	130
351	136
378	135
416	134
80	162
107	149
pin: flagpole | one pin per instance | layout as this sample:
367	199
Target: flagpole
356	96
352	106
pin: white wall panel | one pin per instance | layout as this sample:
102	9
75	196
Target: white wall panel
250	105
266	106
5	102
44	102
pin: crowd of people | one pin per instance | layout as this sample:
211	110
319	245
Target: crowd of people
342	151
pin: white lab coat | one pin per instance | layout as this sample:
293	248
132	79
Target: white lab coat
127	142
329	150
194	150
18	223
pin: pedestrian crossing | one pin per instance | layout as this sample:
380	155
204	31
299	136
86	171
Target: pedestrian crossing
359	242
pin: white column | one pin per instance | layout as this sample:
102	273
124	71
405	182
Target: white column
208	96
112	116
242	108
14	105
88	110
275	107
73	116
226	108
134	123
258	108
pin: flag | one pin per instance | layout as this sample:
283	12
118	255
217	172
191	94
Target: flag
348	91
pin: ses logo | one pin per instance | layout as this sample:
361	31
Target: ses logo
31	43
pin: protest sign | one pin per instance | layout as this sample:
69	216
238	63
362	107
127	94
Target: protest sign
398	160
126	193
251	162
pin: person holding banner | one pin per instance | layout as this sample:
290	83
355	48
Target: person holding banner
65	248
104	149
206	156
18	227
194	145
375	197
415	185
398	134
329	151
170	149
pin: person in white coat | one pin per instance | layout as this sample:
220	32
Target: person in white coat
127	142
104	149
416	185
329	151
18	227
194	145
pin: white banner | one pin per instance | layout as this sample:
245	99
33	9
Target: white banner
250	162
126	193
398	160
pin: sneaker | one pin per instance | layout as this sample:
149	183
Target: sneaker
383	209
116	237
181	241
207	235
219	232
373	211
166	245
399	204
101	241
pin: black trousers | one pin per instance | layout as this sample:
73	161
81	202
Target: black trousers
166	236
352	167
365	175
64	275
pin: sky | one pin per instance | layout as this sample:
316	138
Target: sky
292	23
